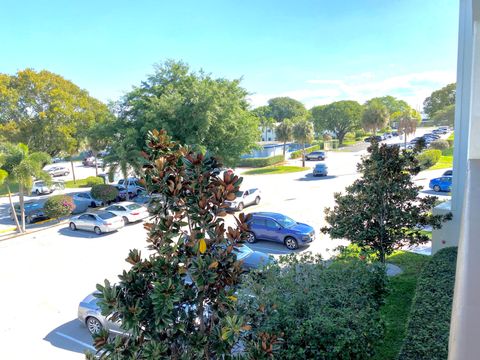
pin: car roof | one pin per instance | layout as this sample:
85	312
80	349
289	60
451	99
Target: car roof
269	214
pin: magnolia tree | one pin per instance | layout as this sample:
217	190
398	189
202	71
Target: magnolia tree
382	211
179	302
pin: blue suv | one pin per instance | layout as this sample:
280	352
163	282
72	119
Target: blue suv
443	183
279	228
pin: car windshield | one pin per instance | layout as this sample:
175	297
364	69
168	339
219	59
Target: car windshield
242	252
106	215
239	194
32	206
133	206
286	222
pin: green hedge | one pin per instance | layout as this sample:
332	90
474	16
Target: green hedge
104	192
439	144
319	312
298	154
450	139
261	162
429	324
428	158
58	205
94	180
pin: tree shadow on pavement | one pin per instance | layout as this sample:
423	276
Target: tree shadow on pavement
71	336
66	231
434	193
272	248
310	177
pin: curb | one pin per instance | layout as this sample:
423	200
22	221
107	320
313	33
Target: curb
28	232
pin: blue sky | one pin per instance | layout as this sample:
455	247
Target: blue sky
315	51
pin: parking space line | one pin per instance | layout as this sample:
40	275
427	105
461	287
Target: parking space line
269	249
75	340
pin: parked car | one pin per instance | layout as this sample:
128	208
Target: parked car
252	259
316	155
98	222
279	228
90	315
448	173
58	171
129	211
40	187
33	211
443	183
57	160
132	185
320	170
122	192
372	138
395	133
244	198
90	161
86	198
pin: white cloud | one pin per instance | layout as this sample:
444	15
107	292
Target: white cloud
413	88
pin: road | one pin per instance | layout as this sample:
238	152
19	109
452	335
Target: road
45	274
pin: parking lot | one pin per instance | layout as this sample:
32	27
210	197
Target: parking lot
49	272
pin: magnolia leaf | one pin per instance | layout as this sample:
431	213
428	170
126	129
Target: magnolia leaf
202	246
233	298
213	265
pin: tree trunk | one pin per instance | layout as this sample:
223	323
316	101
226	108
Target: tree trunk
125	179
405	135
14	213
284	146
73	171
340	137
303	155
22	206
96	167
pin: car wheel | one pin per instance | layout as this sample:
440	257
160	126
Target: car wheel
291	243
72	226
125	220
28	219
93	205
436	188
37	192
93	325
257	200
97	230
65	174
251	237
240	206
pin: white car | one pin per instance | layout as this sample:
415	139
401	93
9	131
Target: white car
129	211
86	198
132	185
40	187
245	198
98	222
58	171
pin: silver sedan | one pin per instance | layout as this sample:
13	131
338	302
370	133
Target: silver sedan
90	315
129	211
98	222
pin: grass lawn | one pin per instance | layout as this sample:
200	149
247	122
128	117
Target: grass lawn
445	162
80	183
396	309
4	192
281	169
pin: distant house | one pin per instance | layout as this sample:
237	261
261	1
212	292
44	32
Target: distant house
268	132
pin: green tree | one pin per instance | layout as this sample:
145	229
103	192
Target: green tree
179	302
104	192
282	108
316	114
375	117
22	167
382	211
303	133
284	133
102	135
340	118
439	100
195	109
444	116
45	111
392	104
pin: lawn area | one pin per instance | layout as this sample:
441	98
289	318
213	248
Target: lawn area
282	169
445	162
396	309
80	183
4	192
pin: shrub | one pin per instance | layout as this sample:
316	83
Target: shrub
327	137
319	312
429	324
93	180
298	154
440	144
261	162
428	158
349	137
104	192
58	205
450	139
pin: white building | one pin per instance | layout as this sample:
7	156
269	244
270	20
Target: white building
268	132
464	229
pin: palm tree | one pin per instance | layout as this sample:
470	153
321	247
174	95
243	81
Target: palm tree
284	133
124	156
407	122
375	117
303	133
22	167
